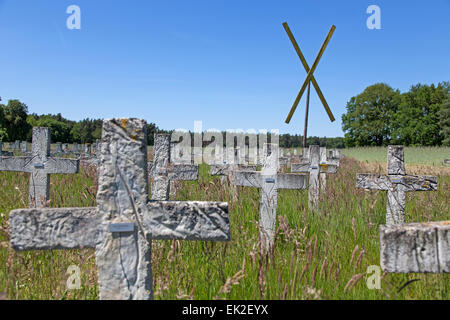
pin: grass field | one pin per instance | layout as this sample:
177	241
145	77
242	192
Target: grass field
316	256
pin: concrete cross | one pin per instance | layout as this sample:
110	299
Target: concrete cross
124	222
396	183
76	151
324	161
224	167
163	171
40	164
87	150
24	147
59	148
269	182
311	164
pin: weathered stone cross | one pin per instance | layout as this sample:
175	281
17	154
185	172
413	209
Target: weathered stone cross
311	164
228	165
40	164
324	161
396	183
124	222
269	182
163	172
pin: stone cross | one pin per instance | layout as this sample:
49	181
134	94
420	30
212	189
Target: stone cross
163	171
396	183
311	164
269	182
87	150
124	222
24	147
40	165
75	148
324	161
59	148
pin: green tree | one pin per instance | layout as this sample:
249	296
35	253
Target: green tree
444	122
417	119
368	121
15	115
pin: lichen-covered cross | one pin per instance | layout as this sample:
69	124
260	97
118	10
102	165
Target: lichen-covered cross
40	165
164	173
269	181
124	222
311	164
396	183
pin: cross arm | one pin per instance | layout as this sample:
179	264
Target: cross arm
21	164
300	167
219	169
410	183
183	172
188	220
373	181
328	168
62	228
62	165
416	183
247	179
291	181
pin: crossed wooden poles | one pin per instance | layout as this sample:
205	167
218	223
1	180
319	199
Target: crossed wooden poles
310	72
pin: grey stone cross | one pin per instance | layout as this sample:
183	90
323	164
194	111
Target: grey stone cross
24	147
311	164
269	182
59	149
40	164
124	222
163	171
324	160
396	183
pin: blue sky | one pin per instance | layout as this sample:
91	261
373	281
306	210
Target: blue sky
227	63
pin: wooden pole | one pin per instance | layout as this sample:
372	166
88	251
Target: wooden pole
305	131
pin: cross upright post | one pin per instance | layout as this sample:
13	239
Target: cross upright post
124	222
396	183
163	171
40	165
269	181
311	164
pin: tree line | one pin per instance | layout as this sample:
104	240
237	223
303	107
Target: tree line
17	124
381	115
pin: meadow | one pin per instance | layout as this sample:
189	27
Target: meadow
323	255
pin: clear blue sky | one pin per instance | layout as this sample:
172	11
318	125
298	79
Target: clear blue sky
227	63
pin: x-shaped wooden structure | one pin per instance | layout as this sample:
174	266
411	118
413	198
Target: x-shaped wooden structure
310	71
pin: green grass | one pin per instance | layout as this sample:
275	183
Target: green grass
315	255
413	155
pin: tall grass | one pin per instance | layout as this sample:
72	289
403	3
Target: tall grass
321	255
